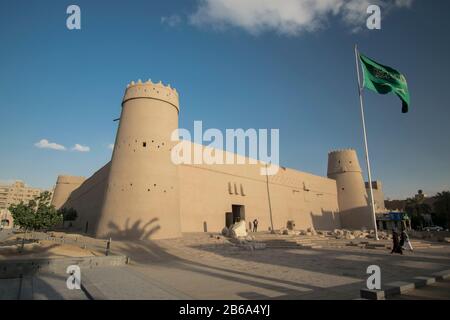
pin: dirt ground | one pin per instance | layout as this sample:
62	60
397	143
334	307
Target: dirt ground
11	248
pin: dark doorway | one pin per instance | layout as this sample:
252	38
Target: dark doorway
228	219
86	227
237	214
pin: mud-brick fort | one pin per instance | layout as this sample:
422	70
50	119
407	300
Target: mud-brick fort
142	194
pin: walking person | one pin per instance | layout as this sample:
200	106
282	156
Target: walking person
255	225
406	242
396	248
402	239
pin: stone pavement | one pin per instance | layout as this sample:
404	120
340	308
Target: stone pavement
205	267
45	286
53	287
126	283
9	289
201	266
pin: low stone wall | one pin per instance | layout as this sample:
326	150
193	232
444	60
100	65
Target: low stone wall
25	267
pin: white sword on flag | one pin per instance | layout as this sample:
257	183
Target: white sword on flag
369	174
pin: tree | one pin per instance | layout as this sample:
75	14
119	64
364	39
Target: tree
441	207
37	214
417	210
22	215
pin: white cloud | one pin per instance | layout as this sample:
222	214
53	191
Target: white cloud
111	146
80	148
289	17
45	144
171	21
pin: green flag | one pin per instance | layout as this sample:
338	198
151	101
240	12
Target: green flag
383	80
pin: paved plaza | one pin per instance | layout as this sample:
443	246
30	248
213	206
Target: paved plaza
204	266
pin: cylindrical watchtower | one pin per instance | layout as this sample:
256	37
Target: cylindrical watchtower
354	210
64	187
142	195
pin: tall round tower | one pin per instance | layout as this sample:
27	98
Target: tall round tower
64	187
142	195
354	210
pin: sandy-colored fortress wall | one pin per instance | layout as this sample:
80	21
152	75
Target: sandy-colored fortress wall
88	199
142	194
208	194
343	166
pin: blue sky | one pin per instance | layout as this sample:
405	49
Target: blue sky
295	73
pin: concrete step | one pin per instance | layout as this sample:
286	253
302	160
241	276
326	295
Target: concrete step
397	289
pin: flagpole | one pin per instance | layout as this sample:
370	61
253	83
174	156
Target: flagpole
369	174
268	197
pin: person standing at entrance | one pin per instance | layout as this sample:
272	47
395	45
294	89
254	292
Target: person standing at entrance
255	225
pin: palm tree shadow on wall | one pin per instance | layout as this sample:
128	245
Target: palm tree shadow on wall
138	230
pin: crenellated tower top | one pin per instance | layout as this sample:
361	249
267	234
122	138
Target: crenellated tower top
150	90
341	161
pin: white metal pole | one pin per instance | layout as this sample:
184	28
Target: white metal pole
369	174
268	197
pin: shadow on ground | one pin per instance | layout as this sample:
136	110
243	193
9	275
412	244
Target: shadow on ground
346	269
